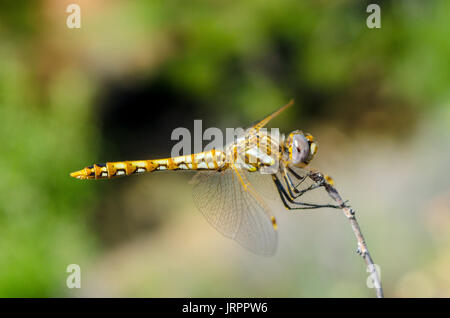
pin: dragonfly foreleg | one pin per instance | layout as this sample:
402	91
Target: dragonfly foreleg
285	198
282	193
327	182
297	176
290	184
294	189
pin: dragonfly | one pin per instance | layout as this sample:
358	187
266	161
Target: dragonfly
233	185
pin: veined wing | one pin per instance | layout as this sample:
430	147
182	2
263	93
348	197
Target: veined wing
236	212
268	118
254	139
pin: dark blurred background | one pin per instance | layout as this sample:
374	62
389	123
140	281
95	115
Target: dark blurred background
376	100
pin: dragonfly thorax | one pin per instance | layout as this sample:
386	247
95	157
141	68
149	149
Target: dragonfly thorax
253	152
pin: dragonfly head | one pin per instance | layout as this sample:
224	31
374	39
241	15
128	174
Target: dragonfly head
301	147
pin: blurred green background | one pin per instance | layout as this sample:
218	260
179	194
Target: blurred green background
377	101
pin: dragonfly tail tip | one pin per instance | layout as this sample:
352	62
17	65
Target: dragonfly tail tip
81	174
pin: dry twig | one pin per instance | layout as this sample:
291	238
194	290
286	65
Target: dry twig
350	214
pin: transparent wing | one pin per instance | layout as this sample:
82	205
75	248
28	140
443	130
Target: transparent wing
268	118
264	185
237	213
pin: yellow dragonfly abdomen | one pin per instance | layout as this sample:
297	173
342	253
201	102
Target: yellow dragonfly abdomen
207	160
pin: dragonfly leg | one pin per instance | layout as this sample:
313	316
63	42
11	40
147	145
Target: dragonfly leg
288	181
327	182
293	189
297	176
282	193
294	205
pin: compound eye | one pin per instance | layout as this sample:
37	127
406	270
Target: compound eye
300	149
